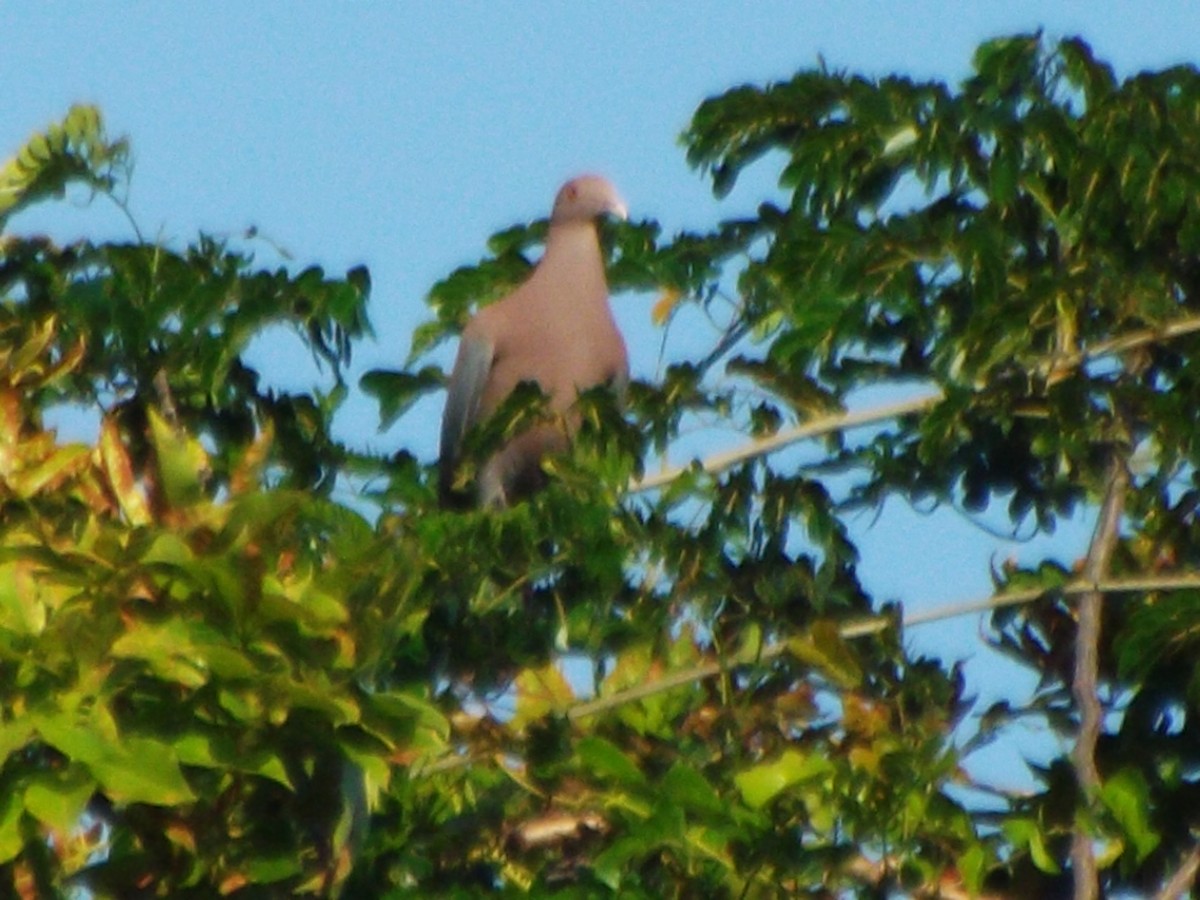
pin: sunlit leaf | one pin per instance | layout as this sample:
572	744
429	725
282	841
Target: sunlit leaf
540	692
824	648
120	475
1127	796
665	305
58	798
11	839
182	462
1026	835
762	783
605	760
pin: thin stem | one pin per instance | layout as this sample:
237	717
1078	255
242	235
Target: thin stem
1054	370
850	630
1184	877
1085	683
813	428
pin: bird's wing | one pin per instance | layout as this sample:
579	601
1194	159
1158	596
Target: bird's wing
620	381
465	391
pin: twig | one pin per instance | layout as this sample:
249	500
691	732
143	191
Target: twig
1085	683
1183	878
813	428
874	624
1054	370
1071	589
851	630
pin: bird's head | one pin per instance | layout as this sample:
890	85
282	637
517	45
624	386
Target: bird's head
588	197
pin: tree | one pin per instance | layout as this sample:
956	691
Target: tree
211	668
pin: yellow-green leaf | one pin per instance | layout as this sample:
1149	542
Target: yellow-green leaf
762	783
50	471
1127	796
182	462
175	650
540	692
119	470
58	798
11	842
606	761
144	771
825	649
1025	833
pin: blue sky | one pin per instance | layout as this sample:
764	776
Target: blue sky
401	135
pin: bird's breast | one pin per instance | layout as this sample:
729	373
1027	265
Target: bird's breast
562	362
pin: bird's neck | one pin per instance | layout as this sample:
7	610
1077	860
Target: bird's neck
573	247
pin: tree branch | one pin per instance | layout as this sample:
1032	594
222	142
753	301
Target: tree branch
854	629
875	624
1053	370
813	428
1183	879
1085	683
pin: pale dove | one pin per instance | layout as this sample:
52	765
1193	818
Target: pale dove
556	330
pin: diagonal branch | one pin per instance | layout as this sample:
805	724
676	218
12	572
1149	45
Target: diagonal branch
1085	683
1183	878
857	628
785	437
1053	370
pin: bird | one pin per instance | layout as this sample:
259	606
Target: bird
556	330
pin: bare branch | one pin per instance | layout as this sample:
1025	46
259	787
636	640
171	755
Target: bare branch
1058	368
1183	879
1085	683
875	624
787	436
1053	370
854	629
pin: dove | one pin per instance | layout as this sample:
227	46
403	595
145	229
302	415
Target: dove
555	330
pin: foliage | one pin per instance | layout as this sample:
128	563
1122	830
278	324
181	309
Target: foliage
213	669
185	673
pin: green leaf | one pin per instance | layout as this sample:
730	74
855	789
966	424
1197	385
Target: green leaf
540	692
14	735
1127	796
182	462
168	548
1026	835
23	597
270	869
215	750
11	841
613	863
129	768
176	650
143	770
399	713
44	166
824	648
761	784
302	600
398	391
48	472
689	790
972	866
604	760
58	798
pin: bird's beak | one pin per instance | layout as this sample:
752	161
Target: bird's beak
617	209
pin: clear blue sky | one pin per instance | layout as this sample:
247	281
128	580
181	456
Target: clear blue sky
401	135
